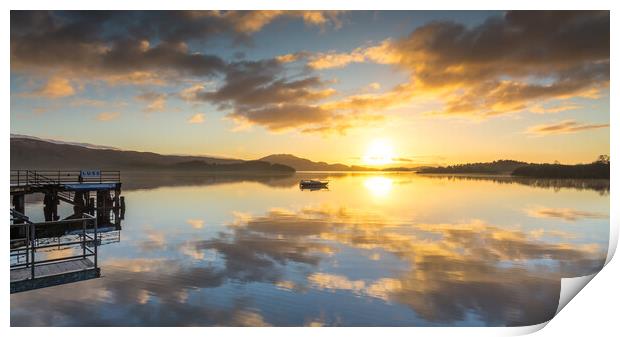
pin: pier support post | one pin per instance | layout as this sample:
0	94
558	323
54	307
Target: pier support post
122	199
91	206
80	202
79	199
117	194
19	203
50	208
104	202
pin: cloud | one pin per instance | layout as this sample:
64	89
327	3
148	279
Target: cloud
153	48
563	127
540	109
566	214
197	118
156	101
108	116
253	21
335	60
196	223
374	86
247	319
261	83
56	87
506	64
77	44
154	240
501	66
260	93
282	116
80	44
381	289
336	282
88	102
135	78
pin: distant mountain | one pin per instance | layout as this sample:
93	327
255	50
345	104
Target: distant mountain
250	165
87	145
29	153
302	164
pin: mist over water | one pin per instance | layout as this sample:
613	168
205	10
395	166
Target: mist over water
395	249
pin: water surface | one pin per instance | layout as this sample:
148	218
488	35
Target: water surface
375	249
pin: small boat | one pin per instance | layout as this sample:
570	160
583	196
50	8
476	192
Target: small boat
313	184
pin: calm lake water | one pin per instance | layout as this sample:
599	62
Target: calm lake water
374	249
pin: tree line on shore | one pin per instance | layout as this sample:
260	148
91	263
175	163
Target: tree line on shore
599	169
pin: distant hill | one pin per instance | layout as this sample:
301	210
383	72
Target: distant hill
495	167
88	145
250	166
302	164
29	153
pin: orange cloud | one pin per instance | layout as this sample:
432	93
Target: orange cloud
504	65
197	118
335	60
253	21
539	109
108	116
156	101
567	214
259	94
374	86
135	78
56	87
501	66
196	223
563	127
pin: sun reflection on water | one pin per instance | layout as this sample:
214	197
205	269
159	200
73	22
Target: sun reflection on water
379	186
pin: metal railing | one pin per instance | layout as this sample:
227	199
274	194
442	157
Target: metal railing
27	245
58	177
39	179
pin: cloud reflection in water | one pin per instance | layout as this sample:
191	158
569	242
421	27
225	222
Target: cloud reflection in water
321	261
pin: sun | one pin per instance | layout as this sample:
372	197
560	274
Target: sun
379	152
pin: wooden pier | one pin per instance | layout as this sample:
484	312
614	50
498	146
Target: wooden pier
94	195
86	190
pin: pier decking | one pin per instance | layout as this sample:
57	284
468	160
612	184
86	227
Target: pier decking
52	269
33	264
58	251
53	274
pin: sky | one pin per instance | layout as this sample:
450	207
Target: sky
382	88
